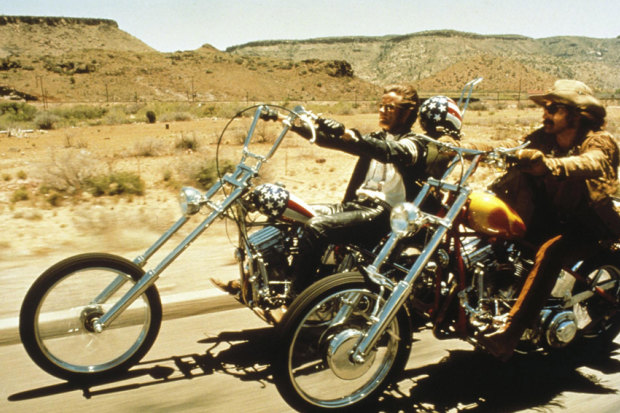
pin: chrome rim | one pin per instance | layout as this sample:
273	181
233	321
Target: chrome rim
319	365
63	322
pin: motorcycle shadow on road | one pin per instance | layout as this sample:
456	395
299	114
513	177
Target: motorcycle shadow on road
463	380
244	354
476	382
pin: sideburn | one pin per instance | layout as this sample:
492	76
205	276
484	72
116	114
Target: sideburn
572	118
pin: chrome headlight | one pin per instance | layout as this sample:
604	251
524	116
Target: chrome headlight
190	200
405	217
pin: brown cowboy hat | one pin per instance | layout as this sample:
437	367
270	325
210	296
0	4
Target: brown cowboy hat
572	93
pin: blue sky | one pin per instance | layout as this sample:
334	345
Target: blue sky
170	25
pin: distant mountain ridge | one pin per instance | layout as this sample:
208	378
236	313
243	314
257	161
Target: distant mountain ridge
418	57
91	60
68	59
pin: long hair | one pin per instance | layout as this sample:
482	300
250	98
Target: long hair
591	122
410	99
586	121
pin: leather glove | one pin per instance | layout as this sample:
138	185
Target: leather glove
269	114
532	161
330	127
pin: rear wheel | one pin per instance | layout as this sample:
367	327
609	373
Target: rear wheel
313	369
598	316
58	312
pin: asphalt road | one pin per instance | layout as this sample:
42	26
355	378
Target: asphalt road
218	362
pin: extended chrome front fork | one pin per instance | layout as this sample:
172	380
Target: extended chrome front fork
402	289
143	284
238	181
149	278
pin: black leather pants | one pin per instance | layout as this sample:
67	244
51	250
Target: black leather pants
362	222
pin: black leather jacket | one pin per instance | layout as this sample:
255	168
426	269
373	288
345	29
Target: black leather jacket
405	151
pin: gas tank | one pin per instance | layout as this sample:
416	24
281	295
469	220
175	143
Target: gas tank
277	202
488	214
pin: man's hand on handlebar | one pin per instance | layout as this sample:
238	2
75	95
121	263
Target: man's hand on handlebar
532	161
330	127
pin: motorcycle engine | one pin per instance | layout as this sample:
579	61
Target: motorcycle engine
475	251
496	273
500	265
265	262
269	253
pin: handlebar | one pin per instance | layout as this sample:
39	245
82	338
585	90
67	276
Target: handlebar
306	116
299	112
498	157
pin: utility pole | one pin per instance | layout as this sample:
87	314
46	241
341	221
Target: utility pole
39	81
519	96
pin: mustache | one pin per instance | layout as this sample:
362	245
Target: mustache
548	122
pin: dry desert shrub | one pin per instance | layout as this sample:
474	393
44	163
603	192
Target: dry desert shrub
151	147
176	117
73	171
72	142
115	183
187	143
201	171
46	120
67	170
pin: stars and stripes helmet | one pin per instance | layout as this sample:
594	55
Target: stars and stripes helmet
441	115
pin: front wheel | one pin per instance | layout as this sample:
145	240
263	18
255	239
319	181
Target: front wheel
57	315
313	370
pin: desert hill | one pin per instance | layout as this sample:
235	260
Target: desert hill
422	57
92	60
499	74
40	36
203	75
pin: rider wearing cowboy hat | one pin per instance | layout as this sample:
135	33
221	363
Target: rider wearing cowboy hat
562	186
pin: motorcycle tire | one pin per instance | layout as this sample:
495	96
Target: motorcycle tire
603	312
55	321
311	367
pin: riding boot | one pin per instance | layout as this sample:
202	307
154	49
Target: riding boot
232	287
537	287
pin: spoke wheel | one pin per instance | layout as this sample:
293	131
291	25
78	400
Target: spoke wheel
314	370
58	314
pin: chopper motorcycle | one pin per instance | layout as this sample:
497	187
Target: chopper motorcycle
93	316
349	335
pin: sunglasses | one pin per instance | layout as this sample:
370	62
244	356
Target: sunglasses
390	107
552	108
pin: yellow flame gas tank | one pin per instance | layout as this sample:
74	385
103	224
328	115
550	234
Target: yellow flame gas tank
488	214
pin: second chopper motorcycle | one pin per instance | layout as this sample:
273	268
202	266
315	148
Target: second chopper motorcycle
349	335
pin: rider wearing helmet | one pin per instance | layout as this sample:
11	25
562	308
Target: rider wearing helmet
440	116
392	163
441	119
